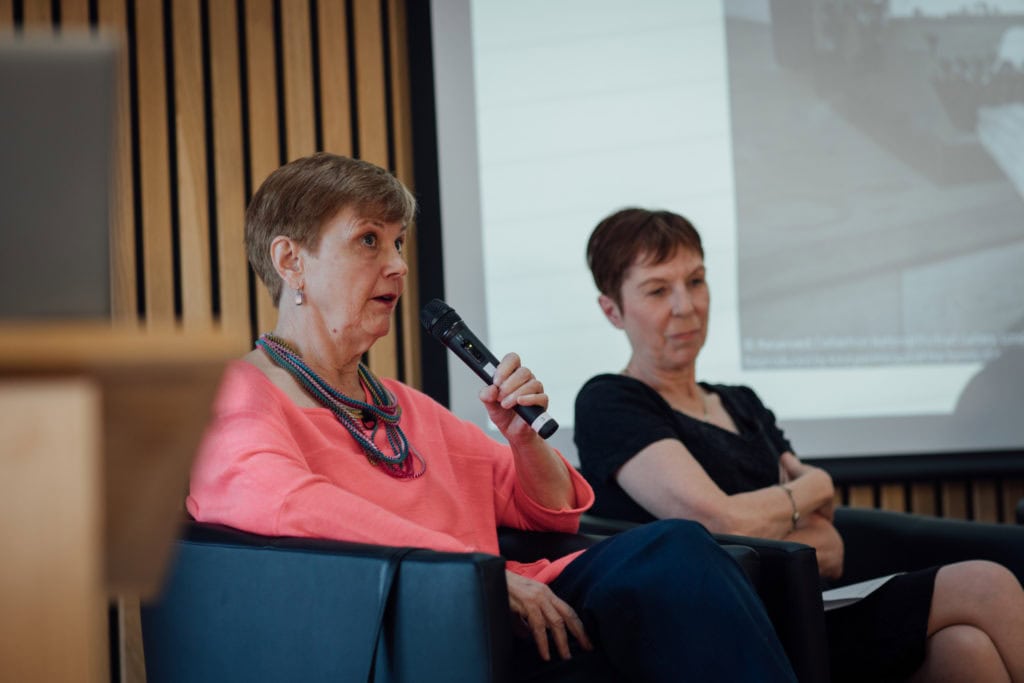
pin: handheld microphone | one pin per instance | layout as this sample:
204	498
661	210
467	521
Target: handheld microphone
445	325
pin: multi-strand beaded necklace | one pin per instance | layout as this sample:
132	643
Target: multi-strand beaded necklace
360	419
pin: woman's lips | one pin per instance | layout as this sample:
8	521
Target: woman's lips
684	336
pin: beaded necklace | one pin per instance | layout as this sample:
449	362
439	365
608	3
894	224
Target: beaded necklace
358	417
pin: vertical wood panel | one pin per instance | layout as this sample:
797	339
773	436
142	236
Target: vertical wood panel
986	507
193	207
335	116
51	578
954	500
1013	491
154	165
401	127
130	650
922	498
6	16
37	14
229	175
113	20
862	496
74	14
893	497
370	82
373	137
298	80
264	154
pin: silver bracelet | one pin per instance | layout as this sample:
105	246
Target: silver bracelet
792	501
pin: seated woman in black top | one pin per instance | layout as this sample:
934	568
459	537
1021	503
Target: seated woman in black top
655	443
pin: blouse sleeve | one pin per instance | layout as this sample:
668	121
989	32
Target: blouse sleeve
616	418
512	506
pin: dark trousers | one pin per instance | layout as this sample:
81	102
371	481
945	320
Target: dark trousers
662	602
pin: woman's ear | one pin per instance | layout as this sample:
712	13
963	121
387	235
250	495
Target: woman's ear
610	310
284	254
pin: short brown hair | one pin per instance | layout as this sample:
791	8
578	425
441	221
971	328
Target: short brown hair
296	200
628	234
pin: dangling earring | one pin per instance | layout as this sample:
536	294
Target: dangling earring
300	298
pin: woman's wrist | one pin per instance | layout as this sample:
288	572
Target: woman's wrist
795	516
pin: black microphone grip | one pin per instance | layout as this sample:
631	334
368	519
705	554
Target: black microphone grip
445	325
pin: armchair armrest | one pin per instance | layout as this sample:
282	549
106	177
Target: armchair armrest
881	542
242	607
791	592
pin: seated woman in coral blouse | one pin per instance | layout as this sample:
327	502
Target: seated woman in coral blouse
306	441
656	443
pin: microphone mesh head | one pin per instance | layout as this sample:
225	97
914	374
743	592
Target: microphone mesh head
437	316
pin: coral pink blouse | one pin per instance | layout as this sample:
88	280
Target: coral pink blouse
270	467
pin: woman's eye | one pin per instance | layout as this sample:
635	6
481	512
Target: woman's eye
696	282
370	240
400	245
656	292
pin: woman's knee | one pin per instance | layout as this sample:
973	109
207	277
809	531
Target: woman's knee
974	592
978	580
666	552
966	639
961	653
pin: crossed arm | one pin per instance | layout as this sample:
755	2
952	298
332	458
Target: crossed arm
666	480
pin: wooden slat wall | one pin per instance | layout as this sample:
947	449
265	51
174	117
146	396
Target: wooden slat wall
216	94
983	500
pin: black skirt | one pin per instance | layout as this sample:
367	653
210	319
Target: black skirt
882	637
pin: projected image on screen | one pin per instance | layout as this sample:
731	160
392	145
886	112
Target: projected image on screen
855	169
879	169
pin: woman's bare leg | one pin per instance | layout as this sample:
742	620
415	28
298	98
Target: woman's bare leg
959	654
976	625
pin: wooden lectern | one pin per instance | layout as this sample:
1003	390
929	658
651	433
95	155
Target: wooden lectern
99	427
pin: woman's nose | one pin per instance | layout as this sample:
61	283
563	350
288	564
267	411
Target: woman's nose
682	302
396	264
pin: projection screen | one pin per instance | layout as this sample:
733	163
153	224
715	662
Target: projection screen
856	170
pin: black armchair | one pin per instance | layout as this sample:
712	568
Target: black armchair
242	607
880	542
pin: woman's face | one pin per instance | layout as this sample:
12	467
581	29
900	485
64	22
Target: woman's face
664	309
356	276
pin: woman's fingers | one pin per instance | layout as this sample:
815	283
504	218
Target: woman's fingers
575	625
546	614
555	618
562	620
539	629
509	364
517	385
